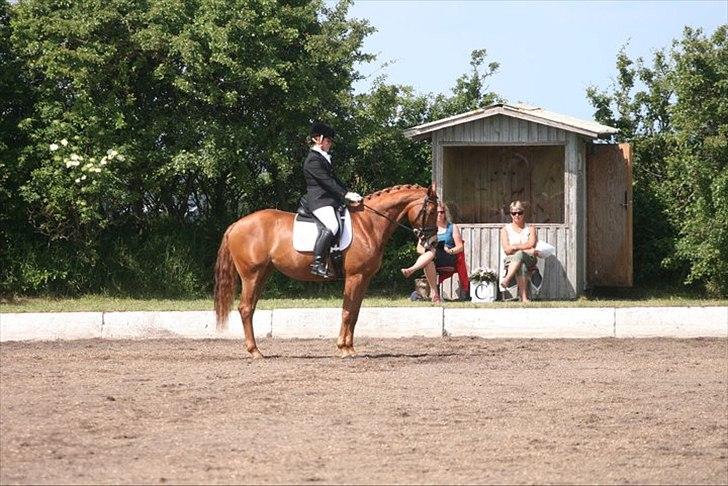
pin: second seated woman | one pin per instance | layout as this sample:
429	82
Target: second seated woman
519	241
450	247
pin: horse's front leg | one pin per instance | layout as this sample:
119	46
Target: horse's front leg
252	289
355	287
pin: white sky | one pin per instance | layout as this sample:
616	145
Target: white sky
549	51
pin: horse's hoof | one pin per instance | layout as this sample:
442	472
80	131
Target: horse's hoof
255	354
348	352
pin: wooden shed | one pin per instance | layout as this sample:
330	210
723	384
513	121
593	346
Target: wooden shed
579	190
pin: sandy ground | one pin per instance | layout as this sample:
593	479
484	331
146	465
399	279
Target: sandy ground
405	411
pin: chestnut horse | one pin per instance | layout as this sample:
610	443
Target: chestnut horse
256	244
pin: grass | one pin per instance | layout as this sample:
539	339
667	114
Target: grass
375	298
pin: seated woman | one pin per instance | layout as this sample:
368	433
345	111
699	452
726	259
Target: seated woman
519	241
450	242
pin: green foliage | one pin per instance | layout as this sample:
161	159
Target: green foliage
677	122
208	104
134	132
697	168
469	92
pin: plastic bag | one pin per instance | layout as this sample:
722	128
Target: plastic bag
544	249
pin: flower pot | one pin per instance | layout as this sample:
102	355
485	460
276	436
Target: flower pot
483	291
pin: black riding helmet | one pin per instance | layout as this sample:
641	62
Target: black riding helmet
322	129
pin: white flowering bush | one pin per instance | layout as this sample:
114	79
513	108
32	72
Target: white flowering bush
483	275
67	193
84	166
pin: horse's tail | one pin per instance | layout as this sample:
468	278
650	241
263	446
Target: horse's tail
225	282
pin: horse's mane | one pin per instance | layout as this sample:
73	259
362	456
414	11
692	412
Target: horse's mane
389	190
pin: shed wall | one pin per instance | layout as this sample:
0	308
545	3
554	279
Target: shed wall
495	130
482	249
566	272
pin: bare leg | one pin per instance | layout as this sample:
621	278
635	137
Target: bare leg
512	269
431	275
523	288
252	289
354	288
419	264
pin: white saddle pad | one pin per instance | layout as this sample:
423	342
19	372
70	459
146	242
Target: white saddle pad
305	233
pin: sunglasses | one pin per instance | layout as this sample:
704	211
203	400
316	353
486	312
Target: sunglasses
516	213
439	212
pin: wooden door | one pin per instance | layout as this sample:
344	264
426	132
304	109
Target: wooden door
609	215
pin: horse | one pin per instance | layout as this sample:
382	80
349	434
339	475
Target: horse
257	243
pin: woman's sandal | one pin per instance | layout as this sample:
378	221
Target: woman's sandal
406	272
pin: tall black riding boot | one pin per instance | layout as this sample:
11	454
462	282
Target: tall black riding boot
321	252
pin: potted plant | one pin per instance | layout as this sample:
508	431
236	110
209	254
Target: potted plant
483	285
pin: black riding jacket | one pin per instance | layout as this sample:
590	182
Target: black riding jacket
322	186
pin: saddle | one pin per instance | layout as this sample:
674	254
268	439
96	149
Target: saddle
306	227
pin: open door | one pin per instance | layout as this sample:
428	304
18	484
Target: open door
609	215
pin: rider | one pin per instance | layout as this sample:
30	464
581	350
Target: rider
325	191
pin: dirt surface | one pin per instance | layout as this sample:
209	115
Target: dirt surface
404	411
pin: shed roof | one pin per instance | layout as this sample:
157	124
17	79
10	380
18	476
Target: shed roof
524	112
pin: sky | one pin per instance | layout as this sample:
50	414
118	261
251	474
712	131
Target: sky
549	51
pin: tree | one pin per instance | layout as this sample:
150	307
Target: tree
697	167
208	104
677	121
470	91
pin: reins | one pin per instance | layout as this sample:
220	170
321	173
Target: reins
388	218
418	232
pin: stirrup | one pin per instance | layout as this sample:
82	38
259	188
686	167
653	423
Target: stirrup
319	269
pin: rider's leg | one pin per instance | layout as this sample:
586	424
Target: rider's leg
321	248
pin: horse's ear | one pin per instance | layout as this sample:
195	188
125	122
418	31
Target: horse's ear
432	190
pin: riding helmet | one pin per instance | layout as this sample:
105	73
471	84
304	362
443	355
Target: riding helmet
322	129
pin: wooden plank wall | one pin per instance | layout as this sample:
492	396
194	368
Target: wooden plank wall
565	273
575	178
494	130
483	180
482	249
501	130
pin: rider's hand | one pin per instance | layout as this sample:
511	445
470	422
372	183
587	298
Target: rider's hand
353	197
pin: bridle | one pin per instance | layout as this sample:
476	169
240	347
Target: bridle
423	233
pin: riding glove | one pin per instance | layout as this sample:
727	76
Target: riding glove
353	197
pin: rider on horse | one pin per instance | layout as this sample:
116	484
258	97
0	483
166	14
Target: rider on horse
325	191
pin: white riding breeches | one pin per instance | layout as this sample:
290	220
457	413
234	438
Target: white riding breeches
328	217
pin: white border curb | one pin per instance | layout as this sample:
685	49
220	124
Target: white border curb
682	322
381	322
191	324
35	326
569	322
384	322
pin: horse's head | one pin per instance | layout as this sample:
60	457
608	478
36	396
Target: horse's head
423	218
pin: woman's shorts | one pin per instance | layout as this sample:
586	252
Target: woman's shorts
527	262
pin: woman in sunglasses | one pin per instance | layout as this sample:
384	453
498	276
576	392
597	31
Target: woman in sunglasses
519	242
449	247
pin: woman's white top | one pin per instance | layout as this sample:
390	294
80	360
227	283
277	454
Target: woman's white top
518	237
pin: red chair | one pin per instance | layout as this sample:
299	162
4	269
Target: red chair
443	273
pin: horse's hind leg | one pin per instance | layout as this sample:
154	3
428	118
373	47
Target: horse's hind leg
252	289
